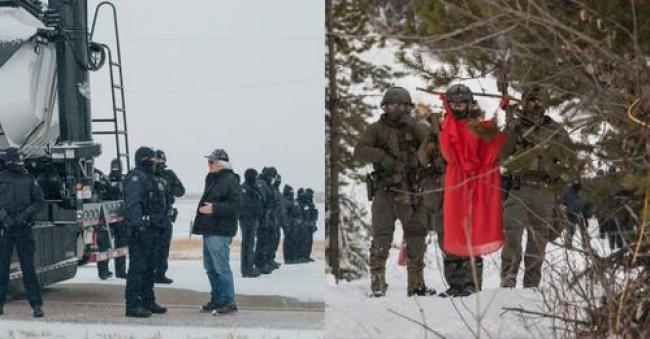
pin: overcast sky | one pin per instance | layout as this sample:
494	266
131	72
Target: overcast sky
246	76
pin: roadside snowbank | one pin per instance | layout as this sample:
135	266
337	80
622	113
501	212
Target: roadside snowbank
12	329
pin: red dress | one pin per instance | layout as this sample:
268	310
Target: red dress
472	208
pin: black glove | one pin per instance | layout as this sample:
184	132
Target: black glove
174	214
408	121
21	220
387	163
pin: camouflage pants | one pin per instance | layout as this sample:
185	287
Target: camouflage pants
385	211
458	270
531	209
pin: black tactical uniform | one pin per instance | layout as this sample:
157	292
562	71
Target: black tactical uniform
145	210
303	228
277	216
312	218
173	189
20	200
264	244
249	220
293	218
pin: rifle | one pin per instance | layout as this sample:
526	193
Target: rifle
487	95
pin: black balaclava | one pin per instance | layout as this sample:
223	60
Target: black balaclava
250	175
144	158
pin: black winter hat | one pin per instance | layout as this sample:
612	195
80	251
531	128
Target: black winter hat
250	174
144	154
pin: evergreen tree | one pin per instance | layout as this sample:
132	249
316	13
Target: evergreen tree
350	35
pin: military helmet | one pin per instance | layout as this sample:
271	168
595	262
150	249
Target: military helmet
459	93
396	95
144	154
287	190
309	192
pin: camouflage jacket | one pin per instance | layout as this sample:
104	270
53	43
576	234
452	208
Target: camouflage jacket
401	143
542	150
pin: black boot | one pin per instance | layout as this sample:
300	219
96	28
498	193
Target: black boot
210	306
162	280
105	275
227	309
266	269
38	311
2	309
421	291
252	273
138	312
155	308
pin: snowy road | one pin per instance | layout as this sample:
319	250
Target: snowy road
285	304
103	304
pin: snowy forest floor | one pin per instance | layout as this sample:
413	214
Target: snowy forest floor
350	313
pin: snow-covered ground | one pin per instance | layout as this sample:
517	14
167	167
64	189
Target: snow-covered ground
305	282
28	329
350	313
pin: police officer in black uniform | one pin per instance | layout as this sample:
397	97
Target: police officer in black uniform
303	227
264	244
173	189
252	213
145	211
293	218
20	200
277	217
312	218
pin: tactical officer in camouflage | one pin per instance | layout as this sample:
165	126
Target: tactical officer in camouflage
458	269
391	145
539	161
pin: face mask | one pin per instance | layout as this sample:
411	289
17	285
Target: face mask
395	112
534	110
160	168
460	115
149	166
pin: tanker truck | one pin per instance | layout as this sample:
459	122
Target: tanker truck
46	54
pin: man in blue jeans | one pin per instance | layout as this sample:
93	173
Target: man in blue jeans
216	220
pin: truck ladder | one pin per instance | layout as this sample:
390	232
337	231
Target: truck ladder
118	121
